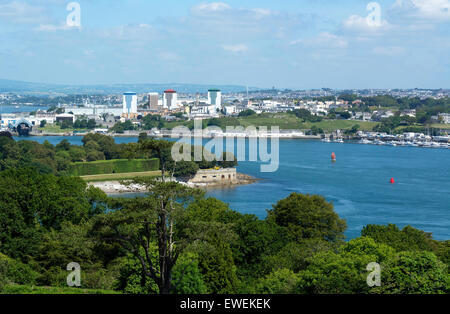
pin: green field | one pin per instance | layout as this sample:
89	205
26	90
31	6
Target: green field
289	121
120	176
285	121
441	126
53	128
332	125
19	289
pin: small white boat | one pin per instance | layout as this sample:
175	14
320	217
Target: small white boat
435	145
365	141
378	142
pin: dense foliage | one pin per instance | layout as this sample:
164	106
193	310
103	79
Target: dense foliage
113	166
174	240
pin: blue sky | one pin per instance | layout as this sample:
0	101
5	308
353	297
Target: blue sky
286	43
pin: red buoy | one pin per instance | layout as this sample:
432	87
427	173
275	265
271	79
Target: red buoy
392	181
333	157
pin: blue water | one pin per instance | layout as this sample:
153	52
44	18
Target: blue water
357	184
13	109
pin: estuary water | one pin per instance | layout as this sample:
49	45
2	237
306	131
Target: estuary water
358	184
21	109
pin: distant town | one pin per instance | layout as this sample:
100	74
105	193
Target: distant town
323	113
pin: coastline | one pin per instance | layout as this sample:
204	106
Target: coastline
136	134
115	187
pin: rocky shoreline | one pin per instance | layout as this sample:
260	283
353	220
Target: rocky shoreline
116	187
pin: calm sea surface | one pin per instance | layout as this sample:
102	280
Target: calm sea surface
13	109
357	184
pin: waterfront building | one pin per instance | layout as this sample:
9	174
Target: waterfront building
211	176
129	103
8	119
215	98
444	118
170	99
65	117
98	111
408	112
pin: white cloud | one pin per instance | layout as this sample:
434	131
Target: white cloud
21	12
235	48
220	20
426	9
359	23
323	40
207	8
260	13
137	33
54	28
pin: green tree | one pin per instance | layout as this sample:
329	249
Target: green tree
344	271
31	203
307	217
106	144
187	278
281	281
414	273
406	239
136	223
247	113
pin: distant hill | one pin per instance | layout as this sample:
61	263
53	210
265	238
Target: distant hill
10	86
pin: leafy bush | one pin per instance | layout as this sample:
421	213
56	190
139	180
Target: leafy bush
113	166
15	272
187	278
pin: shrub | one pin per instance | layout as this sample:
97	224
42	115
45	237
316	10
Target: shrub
15	272
113	166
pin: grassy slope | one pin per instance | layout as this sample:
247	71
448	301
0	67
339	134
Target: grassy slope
289	121
286	122
53	128
120	176
331	125
441	126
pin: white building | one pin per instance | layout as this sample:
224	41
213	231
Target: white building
409	112
170	99
204	111
444	117
129	103
364	116
98	110
215	98
230	110
8	119
65	117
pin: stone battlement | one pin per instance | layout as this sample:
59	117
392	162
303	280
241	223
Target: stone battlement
224	176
